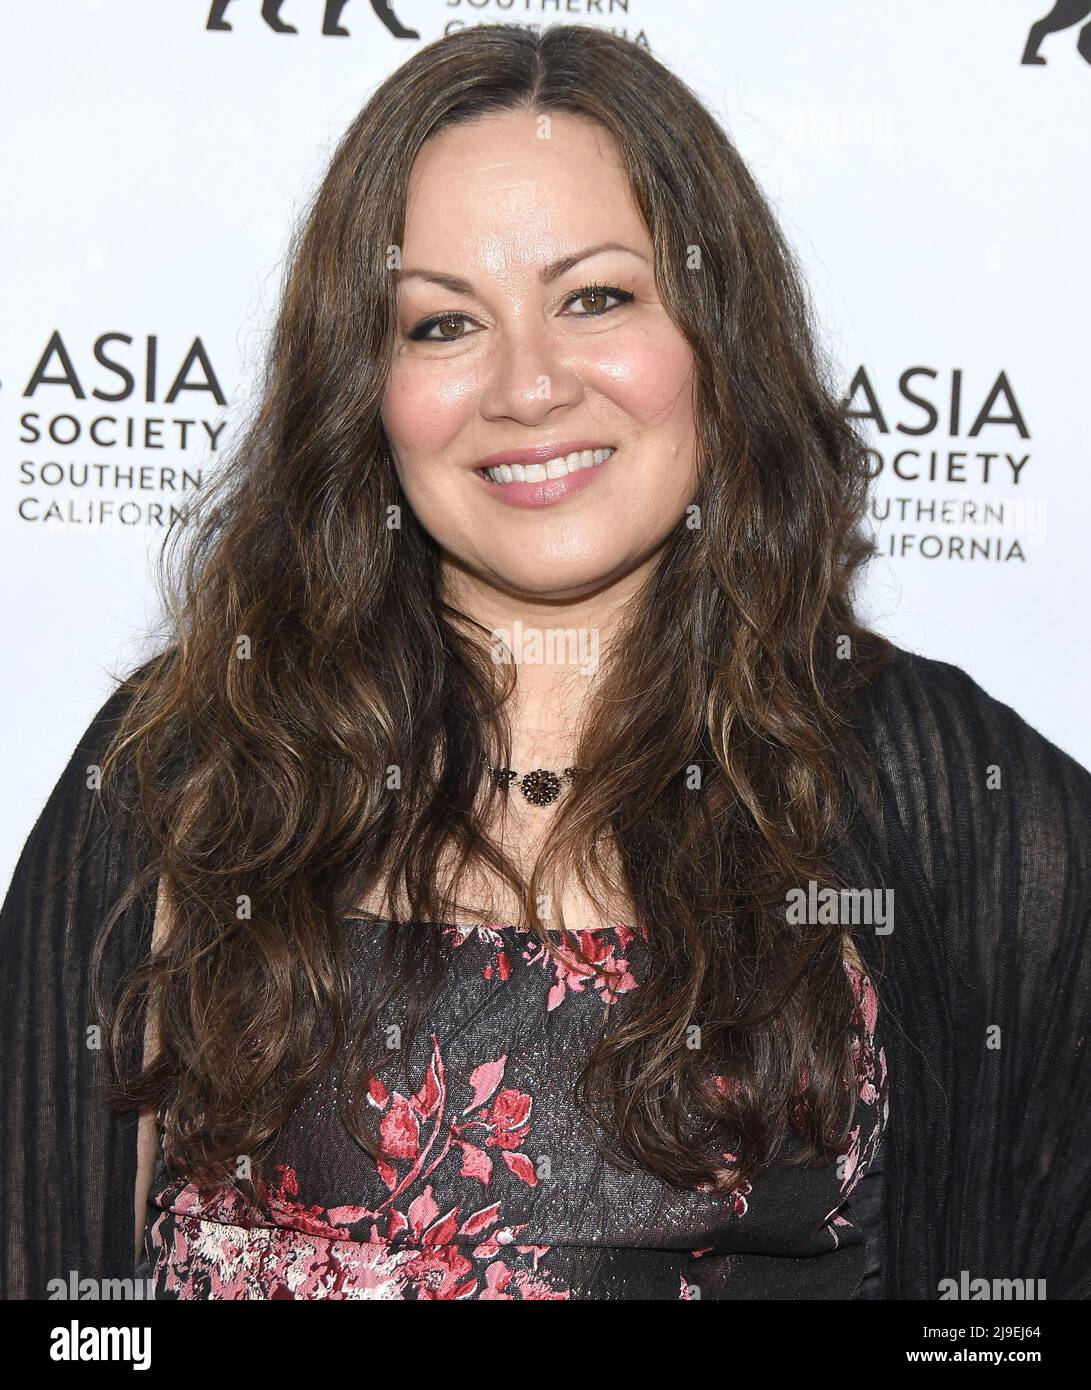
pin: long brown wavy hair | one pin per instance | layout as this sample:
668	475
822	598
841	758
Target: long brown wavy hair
308	649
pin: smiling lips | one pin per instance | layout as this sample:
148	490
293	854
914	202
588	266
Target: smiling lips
530	482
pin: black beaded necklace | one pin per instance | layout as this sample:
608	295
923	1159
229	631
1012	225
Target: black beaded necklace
540	787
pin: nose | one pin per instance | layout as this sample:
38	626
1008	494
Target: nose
526	377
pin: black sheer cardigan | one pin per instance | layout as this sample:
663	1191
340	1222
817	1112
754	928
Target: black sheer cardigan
983	832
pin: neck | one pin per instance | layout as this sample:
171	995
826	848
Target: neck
558	646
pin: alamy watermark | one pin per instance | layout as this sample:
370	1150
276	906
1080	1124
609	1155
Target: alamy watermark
966	1287
76	1343
90	1289
870	907
523	645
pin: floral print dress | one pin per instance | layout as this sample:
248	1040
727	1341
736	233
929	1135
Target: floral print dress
493	1188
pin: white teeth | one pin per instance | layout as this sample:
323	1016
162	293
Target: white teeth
553	468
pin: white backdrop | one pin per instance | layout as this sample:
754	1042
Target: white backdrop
934	185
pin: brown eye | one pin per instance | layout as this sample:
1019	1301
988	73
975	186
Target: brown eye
594	300
598	296
447	325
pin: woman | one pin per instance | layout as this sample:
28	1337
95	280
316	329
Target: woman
494	788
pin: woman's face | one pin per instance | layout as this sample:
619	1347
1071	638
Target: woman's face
505	349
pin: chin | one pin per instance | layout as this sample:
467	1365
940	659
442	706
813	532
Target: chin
548	577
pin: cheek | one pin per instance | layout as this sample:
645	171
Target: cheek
647	376
424	408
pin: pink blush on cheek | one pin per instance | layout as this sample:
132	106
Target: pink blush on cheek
648	379
422	416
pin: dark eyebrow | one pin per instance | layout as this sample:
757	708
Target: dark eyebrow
547	274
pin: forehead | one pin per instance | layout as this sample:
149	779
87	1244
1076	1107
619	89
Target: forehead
514	189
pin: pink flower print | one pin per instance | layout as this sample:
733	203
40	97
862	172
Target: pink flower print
499	1242
849	1157
212	1245
534	1289
201	1259
484	1080
506	1123
418	1130
229	1207
613	977
863	1059
439	1269
403	1126
499	1278
475	1162
831	1227
866	999
522	1167
509	1115
490	936
400	1129
502	967
313	1220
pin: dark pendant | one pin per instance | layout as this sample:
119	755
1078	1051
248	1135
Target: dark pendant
541	787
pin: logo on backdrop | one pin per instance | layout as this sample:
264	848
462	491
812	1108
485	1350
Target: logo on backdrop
277	15
98	416
1063	15
952	467
331	18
